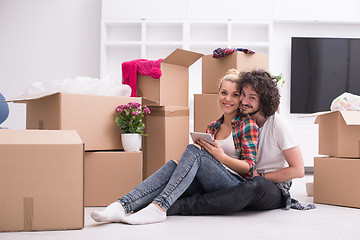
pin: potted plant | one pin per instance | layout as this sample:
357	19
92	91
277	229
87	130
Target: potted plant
130	120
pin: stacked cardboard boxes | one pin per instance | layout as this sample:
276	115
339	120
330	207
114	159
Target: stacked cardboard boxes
93	117
206	107
167	125
336	176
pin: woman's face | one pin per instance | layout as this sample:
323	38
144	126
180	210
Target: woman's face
229	97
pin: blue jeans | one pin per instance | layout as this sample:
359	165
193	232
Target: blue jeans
256	193
197	172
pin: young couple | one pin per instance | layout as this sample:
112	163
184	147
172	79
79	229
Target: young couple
222	178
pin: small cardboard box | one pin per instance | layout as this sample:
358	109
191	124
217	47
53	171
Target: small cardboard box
339	133
334	186
41	180
206	110
214	69
173	86
168	136
92	116
109	175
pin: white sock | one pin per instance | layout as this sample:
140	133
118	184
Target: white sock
150	214
115	212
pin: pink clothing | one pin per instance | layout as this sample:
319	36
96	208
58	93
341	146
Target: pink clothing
142	66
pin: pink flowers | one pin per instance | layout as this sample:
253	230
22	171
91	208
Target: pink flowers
130	117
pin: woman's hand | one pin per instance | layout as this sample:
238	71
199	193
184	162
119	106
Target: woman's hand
218	153
215	150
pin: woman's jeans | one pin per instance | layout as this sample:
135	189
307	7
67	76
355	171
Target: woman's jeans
197	172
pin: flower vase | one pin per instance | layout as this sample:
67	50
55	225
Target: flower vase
131	142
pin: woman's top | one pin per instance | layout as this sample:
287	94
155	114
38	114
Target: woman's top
228	146
245	136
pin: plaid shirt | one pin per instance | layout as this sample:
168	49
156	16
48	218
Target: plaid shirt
245	136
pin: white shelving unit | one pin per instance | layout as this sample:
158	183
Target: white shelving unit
125	40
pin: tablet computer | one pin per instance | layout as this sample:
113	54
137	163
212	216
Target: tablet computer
204	136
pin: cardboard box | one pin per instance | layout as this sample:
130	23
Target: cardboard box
173	86
214	69
168	136
336	181
109	175
339	133
41	180
92	116
206	110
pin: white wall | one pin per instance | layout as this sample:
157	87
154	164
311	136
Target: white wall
46	40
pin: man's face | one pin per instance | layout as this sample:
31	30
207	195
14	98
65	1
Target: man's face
249	100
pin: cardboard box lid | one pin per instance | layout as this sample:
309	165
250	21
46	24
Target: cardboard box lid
45	137
351	118
147	101
168	111
28	97
182	57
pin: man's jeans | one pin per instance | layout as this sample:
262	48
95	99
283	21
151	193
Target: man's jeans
256	194
197	172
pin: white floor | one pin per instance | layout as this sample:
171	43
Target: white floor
324	222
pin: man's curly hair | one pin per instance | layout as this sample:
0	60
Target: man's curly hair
265	86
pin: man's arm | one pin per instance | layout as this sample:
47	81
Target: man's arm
294	170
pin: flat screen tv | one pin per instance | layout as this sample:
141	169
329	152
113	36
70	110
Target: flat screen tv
321	70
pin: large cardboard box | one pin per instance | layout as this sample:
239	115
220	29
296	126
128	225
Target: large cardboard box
214	69
92	116
173	86
336	181
339	133
206	110
41	180
168	136
109	175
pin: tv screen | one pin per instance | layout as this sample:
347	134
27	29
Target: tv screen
321	70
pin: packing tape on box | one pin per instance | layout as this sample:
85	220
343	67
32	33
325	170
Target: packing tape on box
28	213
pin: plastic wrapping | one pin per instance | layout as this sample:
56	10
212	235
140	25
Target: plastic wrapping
346	102
81	85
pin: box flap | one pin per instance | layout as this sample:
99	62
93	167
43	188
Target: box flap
169	111
149	102
351	117
315	115
45	137
182	57
28	97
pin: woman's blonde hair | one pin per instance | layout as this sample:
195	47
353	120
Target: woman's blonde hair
232	75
